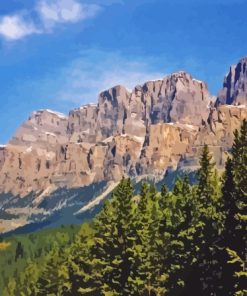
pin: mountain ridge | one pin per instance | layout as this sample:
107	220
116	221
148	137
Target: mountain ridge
159	126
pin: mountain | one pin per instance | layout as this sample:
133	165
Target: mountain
235	85
57	165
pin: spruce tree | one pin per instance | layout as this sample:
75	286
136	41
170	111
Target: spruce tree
84	274
229	195
180	227
207	225
208	199
26	281
54	279
228	275
218	276
114	241
148	270
235	234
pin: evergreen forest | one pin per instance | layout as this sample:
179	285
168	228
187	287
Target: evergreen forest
191	240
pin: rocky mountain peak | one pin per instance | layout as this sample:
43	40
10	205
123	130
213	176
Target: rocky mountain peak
177	97
42	127
114	92
181	75
158	126
234	90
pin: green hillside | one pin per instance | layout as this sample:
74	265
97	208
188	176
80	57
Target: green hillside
187	241
17	251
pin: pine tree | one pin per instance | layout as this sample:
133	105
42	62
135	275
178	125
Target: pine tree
235	234
229	195
179	225
10	288
208	199
83	273
228	273
149	273
114	241
240	274
26	282
54	279
217	254
207	224
19	253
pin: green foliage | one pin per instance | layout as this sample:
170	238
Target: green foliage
35	246
235	233
241	274
188	241
150	276
114	240
223	276
209	206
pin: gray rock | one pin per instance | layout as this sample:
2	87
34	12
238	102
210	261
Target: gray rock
234	90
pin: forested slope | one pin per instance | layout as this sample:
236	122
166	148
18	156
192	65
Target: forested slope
188	241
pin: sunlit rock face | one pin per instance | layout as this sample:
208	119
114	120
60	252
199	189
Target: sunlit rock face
158	126
43	128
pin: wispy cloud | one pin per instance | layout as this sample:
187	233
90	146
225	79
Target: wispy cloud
15	27
62	11
45	16
82	80
93	71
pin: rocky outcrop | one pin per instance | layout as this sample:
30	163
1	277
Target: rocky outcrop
176	98
166	145
234	90
125	133
112	108
159	126
44	128
82	124
218	134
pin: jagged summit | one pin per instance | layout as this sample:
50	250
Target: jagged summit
43	127
235	85
42	111
243	60
157	127
45	150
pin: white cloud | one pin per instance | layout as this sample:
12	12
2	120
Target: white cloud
62	11
45	16
82	80
15	27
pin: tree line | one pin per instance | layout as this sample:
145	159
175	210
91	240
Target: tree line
187	241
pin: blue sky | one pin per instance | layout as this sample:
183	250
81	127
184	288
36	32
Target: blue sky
59	54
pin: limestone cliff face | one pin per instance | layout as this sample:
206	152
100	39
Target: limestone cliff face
217	133
44	128
82	124
166	145
125	133
160	125
94	123
176	98
235	85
